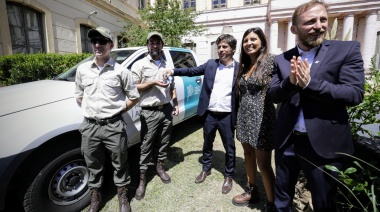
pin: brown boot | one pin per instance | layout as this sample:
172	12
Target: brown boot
123	199
161	172
249	196
96	198
140	192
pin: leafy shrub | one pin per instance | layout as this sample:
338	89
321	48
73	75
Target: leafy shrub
365	113
363	186
20	68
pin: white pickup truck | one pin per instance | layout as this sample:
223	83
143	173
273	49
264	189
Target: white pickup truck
40	159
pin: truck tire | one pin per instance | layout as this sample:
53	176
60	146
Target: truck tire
60	186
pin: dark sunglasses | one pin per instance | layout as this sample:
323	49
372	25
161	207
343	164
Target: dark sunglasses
101	41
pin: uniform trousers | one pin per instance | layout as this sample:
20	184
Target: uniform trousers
99	140
156	129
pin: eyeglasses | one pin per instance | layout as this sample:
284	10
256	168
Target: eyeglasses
101	41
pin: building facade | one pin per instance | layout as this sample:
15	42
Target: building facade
60	26
357	19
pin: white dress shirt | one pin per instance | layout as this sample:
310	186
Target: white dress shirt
220	100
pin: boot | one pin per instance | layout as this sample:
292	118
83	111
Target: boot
96	198
161	172
270	207
123	199
249	196
140	192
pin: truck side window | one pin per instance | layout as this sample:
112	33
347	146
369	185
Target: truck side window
138	58
182	59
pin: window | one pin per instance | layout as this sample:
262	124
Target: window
141	4
86	43
121	42
190	45
141	56
219	4
250	2
182	59
25	25
188	4
162	3
120	56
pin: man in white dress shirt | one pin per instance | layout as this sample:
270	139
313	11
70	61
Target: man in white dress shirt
217	105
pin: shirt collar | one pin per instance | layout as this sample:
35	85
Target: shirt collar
151	59
232	64
110	62
313	50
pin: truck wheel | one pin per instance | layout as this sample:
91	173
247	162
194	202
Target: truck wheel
60	186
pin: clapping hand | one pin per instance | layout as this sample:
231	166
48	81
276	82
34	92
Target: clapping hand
300	72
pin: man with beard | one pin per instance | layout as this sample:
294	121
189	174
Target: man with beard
217	105
156	110
314	82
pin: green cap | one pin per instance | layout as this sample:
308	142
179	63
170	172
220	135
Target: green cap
102	31
155	34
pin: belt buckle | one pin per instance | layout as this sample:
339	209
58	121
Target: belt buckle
101	122
160	107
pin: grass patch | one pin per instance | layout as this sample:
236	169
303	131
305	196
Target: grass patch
183	165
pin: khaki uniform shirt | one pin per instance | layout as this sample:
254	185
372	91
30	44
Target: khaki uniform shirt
146	70
104	92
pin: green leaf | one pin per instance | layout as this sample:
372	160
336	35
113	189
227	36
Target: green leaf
350	170
166	17
332	168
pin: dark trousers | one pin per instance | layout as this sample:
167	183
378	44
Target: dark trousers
156	129
289	163
99	140
222	123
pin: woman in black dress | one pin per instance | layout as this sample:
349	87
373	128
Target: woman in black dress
256	115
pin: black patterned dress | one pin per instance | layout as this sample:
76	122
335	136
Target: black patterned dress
256	114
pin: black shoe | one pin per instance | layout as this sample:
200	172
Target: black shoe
270	207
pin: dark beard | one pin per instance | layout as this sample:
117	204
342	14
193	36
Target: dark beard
154	54
313	43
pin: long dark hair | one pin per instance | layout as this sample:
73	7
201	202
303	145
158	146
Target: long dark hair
245	60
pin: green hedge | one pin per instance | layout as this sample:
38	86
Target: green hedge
20	68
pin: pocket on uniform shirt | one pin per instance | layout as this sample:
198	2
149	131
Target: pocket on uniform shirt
149	75
87	84
112	86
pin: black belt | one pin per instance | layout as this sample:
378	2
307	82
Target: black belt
103	122
296	132
218	113
159	107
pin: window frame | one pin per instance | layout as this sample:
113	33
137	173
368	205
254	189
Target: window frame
187	4
182	59
27	48
251	2
218	4
86	42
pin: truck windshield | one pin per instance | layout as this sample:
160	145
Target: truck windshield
118	55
